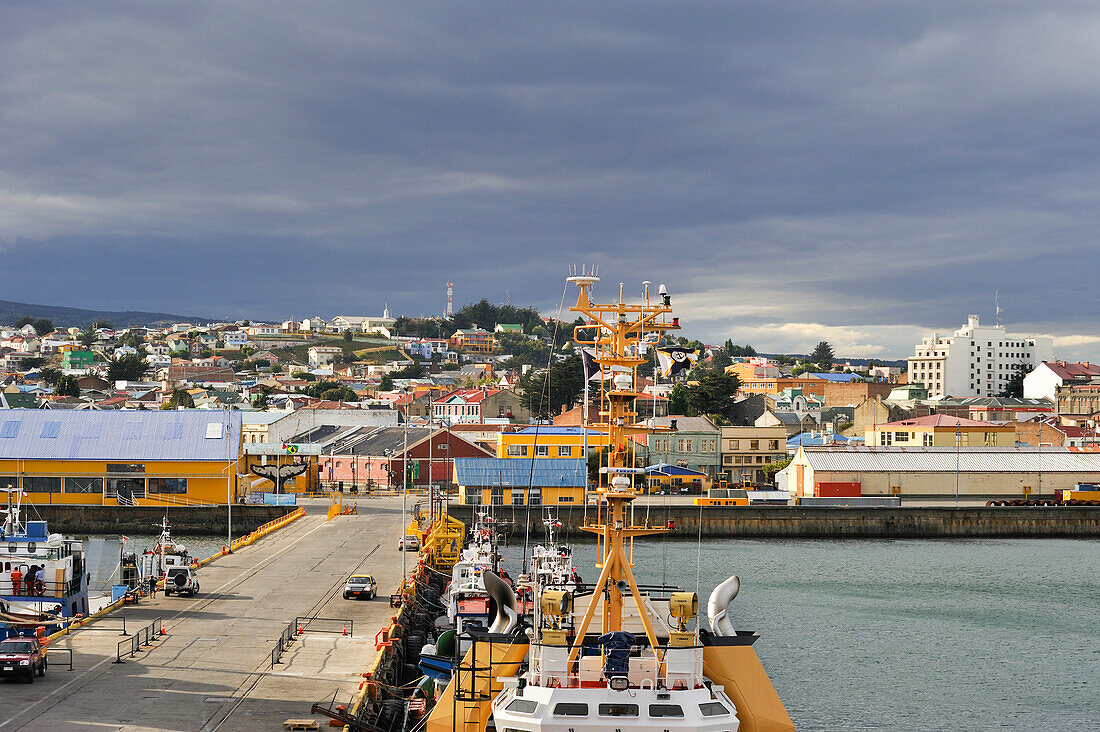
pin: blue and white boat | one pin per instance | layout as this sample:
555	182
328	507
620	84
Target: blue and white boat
43	578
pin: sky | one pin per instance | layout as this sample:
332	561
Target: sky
859	172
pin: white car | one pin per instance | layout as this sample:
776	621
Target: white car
408	543
180	581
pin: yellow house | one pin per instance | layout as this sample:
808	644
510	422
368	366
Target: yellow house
548	441
120	457
500	481
940	430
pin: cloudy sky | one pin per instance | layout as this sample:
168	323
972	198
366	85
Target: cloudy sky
856	171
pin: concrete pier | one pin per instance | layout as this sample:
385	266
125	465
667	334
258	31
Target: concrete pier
143	519
213	668
799	522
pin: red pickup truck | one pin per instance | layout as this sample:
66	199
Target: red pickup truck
22	656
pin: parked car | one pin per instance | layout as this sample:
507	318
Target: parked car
22	656
408	543
180	581
360	586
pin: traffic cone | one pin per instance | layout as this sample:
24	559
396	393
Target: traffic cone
299	628
162	630
345	628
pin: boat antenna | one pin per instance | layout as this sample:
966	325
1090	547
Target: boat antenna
543	395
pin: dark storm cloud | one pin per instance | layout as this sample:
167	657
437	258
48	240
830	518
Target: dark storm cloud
859	170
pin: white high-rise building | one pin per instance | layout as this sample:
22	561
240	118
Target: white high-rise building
977	360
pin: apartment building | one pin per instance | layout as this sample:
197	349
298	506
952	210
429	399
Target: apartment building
746	451
975	360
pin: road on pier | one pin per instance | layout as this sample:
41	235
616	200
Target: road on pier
213	668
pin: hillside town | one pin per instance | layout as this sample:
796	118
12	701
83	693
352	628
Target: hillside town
369	402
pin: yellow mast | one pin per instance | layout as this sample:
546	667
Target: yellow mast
619	330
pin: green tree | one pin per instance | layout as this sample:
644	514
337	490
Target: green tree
386	384
25	320
180	398
822	355
347	336
771	469
87	338
130	367
415	370
261	401
42	326
677	401
1014	388
712	395
331	390
67	386
546	395
720	360
49	374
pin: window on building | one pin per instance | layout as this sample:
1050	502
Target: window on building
565	451
473	496
773	444
42	485
534	497
542	451
928	439
902	437
733	445
517	450
83	485
754	444
497	495
168	485
727	459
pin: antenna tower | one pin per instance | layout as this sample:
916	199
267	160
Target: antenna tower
450	299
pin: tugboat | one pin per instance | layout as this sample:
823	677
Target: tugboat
630	669
43	580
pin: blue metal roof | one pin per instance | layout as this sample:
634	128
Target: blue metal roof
520	472
548	430
122	435
666	469
829	376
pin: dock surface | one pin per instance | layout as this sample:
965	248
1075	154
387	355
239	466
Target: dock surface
213	668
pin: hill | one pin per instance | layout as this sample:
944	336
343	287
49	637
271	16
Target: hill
63	317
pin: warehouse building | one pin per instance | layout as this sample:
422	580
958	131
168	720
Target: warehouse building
120	457
933	472
520	482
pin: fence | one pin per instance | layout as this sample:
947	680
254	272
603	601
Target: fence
285	639
53	653
143	637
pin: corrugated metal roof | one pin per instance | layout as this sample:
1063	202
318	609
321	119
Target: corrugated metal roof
520	472
943	459
124	435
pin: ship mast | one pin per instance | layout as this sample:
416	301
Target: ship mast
620	329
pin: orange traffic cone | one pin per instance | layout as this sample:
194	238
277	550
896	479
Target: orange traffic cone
299	628
345	629
162	630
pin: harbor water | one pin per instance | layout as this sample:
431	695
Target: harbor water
906	635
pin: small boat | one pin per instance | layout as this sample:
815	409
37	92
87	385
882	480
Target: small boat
166	553
43	578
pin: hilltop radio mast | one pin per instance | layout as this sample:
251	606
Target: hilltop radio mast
450	299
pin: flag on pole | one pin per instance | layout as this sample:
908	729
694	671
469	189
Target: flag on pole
588	360
674	360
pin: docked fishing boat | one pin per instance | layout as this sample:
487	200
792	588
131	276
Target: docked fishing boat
646	663
166	553
43	579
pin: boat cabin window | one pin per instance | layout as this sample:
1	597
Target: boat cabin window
523	706
618	710
713	709
567	709
666	710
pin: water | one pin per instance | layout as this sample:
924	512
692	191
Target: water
898	635
102	553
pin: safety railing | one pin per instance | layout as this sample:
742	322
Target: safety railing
143	637
313	624
285	638
53	654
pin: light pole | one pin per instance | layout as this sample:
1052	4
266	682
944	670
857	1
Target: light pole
404	491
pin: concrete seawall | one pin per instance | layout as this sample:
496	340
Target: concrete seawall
144	519
799	522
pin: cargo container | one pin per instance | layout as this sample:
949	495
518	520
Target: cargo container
837	489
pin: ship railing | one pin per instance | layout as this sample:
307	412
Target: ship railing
678	667
44	590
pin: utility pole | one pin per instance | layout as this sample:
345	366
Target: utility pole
404	492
